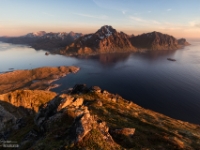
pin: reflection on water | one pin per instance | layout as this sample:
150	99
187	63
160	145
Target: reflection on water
107	59
148	79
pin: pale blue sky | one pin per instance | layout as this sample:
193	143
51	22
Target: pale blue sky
180	18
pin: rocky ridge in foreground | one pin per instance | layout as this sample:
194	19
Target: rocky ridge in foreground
92	118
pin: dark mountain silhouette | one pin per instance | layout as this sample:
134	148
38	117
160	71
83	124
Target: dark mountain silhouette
155	41
42	40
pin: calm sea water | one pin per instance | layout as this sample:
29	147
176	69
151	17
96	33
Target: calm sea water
148	79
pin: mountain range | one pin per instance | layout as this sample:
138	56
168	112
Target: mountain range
42	40
104	40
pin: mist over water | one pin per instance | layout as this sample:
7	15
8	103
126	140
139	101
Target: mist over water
147	79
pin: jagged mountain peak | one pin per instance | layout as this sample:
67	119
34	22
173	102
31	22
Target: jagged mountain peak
36	34
71	33
156	34
106	31
105	40
107	27
39	33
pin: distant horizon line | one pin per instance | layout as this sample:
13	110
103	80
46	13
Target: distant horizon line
94	29
94	32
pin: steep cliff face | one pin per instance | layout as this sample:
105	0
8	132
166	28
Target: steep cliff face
21	104
105	40
155	41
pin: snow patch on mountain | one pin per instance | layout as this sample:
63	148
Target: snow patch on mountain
109	32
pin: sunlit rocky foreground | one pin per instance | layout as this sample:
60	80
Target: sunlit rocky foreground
89	118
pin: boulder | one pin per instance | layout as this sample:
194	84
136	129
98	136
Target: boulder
69	101
79	88
99	103
77	102
95	89
84	123
66	101
124	131
81	126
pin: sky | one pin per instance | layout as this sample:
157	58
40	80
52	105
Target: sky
180	18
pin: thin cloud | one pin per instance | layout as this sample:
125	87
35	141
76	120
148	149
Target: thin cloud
141	20
124	12
169	9
91	16
110	7
149	11
137	19
48	14
155	22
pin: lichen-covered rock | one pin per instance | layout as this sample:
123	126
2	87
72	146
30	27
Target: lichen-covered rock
99	103
124	131
66	101
82	125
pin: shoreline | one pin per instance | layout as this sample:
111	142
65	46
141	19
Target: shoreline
38	78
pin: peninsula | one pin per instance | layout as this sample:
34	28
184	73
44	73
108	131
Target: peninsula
39	78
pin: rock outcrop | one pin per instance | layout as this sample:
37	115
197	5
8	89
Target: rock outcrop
17	107
124	131
105	40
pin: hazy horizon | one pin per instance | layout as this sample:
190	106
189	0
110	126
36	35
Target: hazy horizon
177	18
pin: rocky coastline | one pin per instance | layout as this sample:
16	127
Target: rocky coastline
39	78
